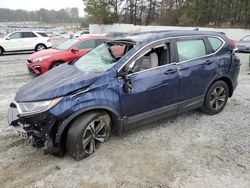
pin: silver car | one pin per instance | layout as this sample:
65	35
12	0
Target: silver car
243	44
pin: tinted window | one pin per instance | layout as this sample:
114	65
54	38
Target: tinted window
28	35
100	41
43	34
86	44
15	35
190	49
215	43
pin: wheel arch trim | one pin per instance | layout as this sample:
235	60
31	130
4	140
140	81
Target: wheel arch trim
225	79
115	116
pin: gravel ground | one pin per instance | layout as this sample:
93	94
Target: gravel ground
187	150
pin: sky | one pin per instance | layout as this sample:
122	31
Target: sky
48	4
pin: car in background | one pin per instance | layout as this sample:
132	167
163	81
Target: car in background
125	83
113	34
40	62
243	44
25	41
50	33
79	34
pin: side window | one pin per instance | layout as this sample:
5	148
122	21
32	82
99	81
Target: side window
215	43
156	56
190	49
15	35
43	34
28	35
100	41
86	44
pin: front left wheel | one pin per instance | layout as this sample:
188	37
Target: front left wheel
87	133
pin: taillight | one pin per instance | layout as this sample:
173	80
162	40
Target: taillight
49	40
232	43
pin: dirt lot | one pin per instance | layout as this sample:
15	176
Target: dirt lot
188	150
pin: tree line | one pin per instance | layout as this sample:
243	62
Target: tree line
213	13
42	15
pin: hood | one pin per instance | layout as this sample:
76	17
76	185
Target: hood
55	83
43	53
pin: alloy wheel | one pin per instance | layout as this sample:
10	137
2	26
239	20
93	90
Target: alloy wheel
94	135
40	47
218	98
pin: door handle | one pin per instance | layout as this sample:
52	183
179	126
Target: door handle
208	62
170	71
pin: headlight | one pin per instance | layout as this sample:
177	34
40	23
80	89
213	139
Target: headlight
36	107
40	59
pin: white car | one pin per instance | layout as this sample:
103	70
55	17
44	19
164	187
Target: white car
79	34
24	41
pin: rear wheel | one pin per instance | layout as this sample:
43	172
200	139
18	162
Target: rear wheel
40	47
216	98
87	133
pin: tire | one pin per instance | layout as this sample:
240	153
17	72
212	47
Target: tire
1	50
87	133
40	47
216	98
55	64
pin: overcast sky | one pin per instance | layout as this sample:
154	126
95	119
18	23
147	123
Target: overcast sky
36	5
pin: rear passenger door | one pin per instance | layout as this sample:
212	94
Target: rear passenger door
192	62
28	41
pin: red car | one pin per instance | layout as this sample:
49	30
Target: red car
41	62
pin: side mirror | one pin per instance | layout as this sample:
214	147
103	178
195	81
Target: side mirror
127	86
7	38
74	50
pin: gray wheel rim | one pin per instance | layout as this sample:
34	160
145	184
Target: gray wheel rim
40	48
94	135
218	98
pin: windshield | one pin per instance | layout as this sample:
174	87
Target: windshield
97	60
66	44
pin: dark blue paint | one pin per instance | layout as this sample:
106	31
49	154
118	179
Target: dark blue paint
152	89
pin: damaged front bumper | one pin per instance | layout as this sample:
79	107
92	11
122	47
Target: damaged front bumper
41	127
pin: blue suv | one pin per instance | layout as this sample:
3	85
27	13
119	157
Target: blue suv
122	84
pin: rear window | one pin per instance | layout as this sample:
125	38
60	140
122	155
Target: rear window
43	34
215	43
190	49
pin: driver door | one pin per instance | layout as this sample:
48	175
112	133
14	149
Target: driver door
154	89
13	42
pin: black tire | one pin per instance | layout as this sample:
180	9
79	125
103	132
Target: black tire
87	133
55	64
40	47
1	50
216	98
